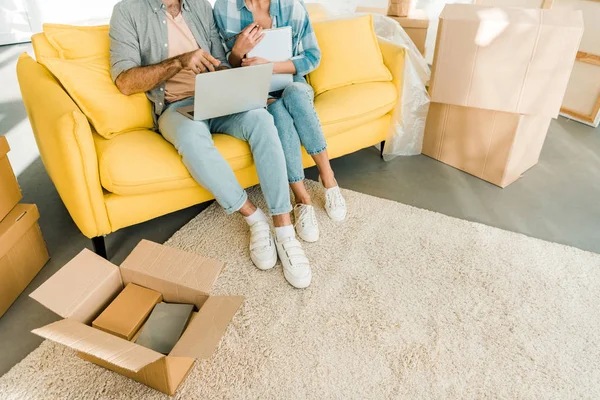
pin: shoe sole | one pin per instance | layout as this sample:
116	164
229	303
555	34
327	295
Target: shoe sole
337	219
298	283
308	240
270	264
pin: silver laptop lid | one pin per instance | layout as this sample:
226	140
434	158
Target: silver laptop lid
231	91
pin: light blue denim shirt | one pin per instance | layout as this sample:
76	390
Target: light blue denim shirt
139	37
232	16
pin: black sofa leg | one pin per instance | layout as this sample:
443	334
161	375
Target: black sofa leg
381	150
99	246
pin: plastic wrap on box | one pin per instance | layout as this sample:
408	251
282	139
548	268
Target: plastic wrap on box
408	125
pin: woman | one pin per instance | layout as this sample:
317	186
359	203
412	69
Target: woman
292	109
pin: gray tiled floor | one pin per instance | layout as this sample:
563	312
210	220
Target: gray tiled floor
558	200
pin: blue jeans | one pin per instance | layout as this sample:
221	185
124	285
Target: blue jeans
297	122
193	141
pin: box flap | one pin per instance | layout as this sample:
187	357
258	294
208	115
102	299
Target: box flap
94	342
180	276
205	331
82	288
15	224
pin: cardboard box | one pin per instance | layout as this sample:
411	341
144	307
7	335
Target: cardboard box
80	290
399	8
505	59
415	24
492	145
10	194
22	252
126	314
516	3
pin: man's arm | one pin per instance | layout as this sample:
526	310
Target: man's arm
216	45
125	58
142	79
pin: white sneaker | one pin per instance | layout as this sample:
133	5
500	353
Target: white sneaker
306	222
262	249
296	267
335	205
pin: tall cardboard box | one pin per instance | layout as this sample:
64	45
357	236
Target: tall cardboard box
10	194
415	24
22	252
505	59
80	290
495	146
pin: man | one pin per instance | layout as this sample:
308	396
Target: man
158	47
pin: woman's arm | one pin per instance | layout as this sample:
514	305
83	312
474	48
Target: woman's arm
282	67
308	59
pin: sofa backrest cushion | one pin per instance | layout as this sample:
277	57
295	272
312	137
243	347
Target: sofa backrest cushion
350	54
88	82
82	66
74	42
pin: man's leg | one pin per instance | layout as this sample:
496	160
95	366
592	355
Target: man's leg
193	141
258	129
207	166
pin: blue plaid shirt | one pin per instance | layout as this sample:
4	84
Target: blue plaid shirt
232	16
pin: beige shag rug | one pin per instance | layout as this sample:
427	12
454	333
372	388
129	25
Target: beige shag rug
405	303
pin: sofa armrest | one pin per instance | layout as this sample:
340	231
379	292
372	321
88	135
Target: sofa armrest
393	58
64	138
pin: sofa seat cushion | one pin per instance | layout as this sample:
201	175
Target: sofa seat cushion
354	105
141	162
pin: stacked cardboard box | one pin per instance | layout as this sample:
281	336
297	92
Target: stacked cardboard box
499	76
399	8
415	24
22	249
86	293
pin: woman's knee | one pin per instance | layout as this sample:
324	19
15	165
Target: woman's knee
298	91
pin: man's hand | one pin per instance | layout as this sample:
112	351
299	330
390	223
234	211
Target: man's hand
198	61
247	62
247	39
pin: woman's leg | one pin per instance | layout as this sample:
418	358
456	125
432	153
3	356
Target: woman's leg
298	99
290	142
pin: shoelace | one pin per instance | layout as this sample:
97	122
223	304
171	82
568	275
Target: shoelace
335	198
295	253
260	236
306	213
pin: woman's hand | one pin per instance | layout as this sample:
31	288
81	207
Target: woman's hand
247	39
247	62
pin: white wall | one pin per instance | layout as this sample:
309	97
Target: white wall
14	22
20	18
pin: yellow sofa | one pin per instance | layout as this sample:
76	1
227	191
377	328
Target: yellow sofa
110	184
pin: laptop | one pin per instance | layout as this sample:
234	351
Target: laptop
229	92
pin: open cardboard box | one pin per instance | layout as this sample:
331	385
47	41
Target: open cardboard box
81	290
